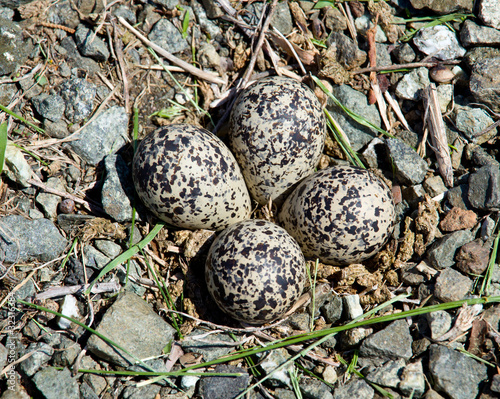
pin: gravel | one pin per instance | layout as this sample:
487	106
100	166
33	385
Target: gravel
84	91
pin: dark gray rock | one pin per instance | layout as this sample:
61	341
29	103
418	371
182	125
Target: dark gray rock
471	121
13	49
404	53
94	258
57	130
393	342
224	387
388	374
411	85
3	356
91	45
358	135
485	82
62	13
49	106
108	248
472	34
489	13
131	323
452	285
211	29
78	94
444	6
103	136
282	18
439	322
412	380
87	392
168	4
24	239
484	188
495	383
458	196
313	388
434	186
409	166
66	353
49	202
7	92
43	353
75	59
355	388
268	363
126	13
454	373
210	346
332	309
56	384
144	392
117	193
374	153
441	254
167	36
479	156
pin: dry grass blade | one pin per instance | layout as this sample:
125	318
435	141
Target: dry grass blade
435	124
210	77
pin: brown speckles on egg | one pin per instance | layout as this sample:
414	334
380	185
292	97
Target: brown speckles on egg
187	177
277	132
340	215
255	271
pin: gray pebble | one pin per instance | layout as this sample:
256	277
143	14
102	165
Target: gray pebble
452	286
57	130
355	388
354	100
485	82
412	84
454	373
167	36
91	45
484	188
133	324
439	322
388	374
49	202
103	136
313	388
14	50
49	106
271	361
439	41
472	34
470	121
40	239
409	166
43	353
117	193
78	95
56	384
211	346
393	342
224	387
442	253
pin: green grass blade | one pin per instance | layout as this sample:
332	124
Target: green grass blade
492	262
3	144
122	258
20	118
358	118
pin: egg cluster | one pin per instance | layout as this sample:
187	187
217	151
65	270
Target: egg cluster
255	270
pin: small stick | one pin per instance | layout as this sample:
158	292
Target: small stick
98	288
121	63
435	124
398	66
211	77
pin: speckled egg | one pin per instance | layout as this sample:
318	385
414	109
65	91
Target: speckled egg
188	177
341	215
255	271
277	133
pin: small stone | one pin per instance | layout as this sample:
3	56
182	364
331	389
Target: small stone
434	186
131	323
57	130
393	342
471	121
167	36
495	383
452	286
14	50
147	391
458	219
489	13
332	309
404	53
330	375
388	374
103	136
211	29
40	239
484	188
454	373
439	41
211	346
414	194
479	156
355	388
412	84
56	384
347	51
413	380
334	20
117	193
94	258
445	95
50	202
271	361
374	153
314	389
69	307
444	6
78	95
485	82
473	257
409	166
439	322
352	306
472	34
49	106
441	74
67	206
282	18
300	321
91	45
43	353
66	353
16	167
487	228
457	196
441	254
